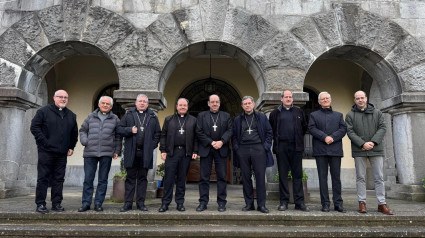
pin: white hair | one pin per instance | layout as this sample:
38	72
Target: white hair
112	100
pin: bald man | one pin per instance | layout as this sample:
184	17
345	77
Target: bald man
55	130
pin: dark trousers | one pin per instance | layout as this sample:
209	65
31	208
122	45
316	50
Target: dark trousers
334	164
51	167
176	168
289	159
253	156
90	167
221	171
136	174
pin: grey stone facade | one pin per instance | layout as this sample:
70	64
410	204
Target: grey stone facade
277	41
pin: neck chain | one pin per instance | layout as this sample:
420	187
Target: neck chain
181	125
142	128
249	125
215	122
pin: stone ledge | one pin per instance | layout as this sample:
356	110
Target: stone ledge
128	97
403	102
15	97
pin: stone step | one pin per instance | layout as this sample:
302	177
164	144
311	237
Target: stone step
205	231
182	219
407	192
407	188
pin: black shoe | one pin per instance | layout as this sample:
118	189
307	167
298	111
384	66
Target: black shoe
163	208
180	207
221	208
142	207
325	208
42	209
201	207
283	206
98	208
263	209
340	208
302	207
57	208
248	208
127	207
84	208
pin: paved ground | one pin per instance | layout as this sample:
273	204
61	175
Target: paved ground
72	201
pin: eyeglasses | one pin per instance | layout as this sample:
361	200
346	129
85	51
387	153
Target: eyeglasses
62	97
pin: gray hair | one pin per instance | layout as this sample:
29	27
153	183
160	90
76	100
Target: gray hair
321	93
177	102
142	95
112	100
247	97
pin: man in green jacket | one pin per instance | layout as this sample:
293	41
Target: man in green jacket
366	130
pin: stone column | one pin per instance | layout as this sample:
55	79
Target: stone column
409	136
156	102
13	104
407	111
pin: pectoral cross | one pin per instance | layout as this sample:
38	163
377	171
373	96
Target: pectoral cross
215	127
142	128
181	130
249	130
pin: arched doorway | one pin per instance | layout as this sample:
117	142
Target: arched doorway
198	94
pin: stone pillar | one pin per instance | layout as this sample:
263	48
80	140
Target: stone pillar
13	104
409	136
156	102
408	128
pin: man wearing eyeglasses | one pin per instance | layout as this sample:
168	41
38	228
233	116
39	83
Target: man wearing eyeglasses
328	128
55	130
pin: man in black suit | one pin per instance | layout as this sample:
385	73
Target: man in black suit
140	128
214	130
289	126
178	144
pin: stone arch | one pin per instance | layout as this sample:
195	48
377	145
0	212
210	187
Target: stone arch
33	45
215	49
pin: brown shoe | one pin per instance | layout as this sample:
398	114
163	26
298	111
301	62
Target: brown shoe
362	207
384	209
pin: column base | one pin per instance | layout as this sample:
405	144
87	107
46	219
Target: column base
407	192
15	188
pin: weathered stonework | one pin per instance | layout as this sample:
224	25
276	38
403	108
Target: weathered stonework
213	15
96	21
51	20
307	32
236	24
348	18
168	31
141	48
29	28
259	31
328	25
14	49
407	54
284	51
115	31
413	79
369	28
190	20
390	35
290	79
9	73
138	77
74	12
